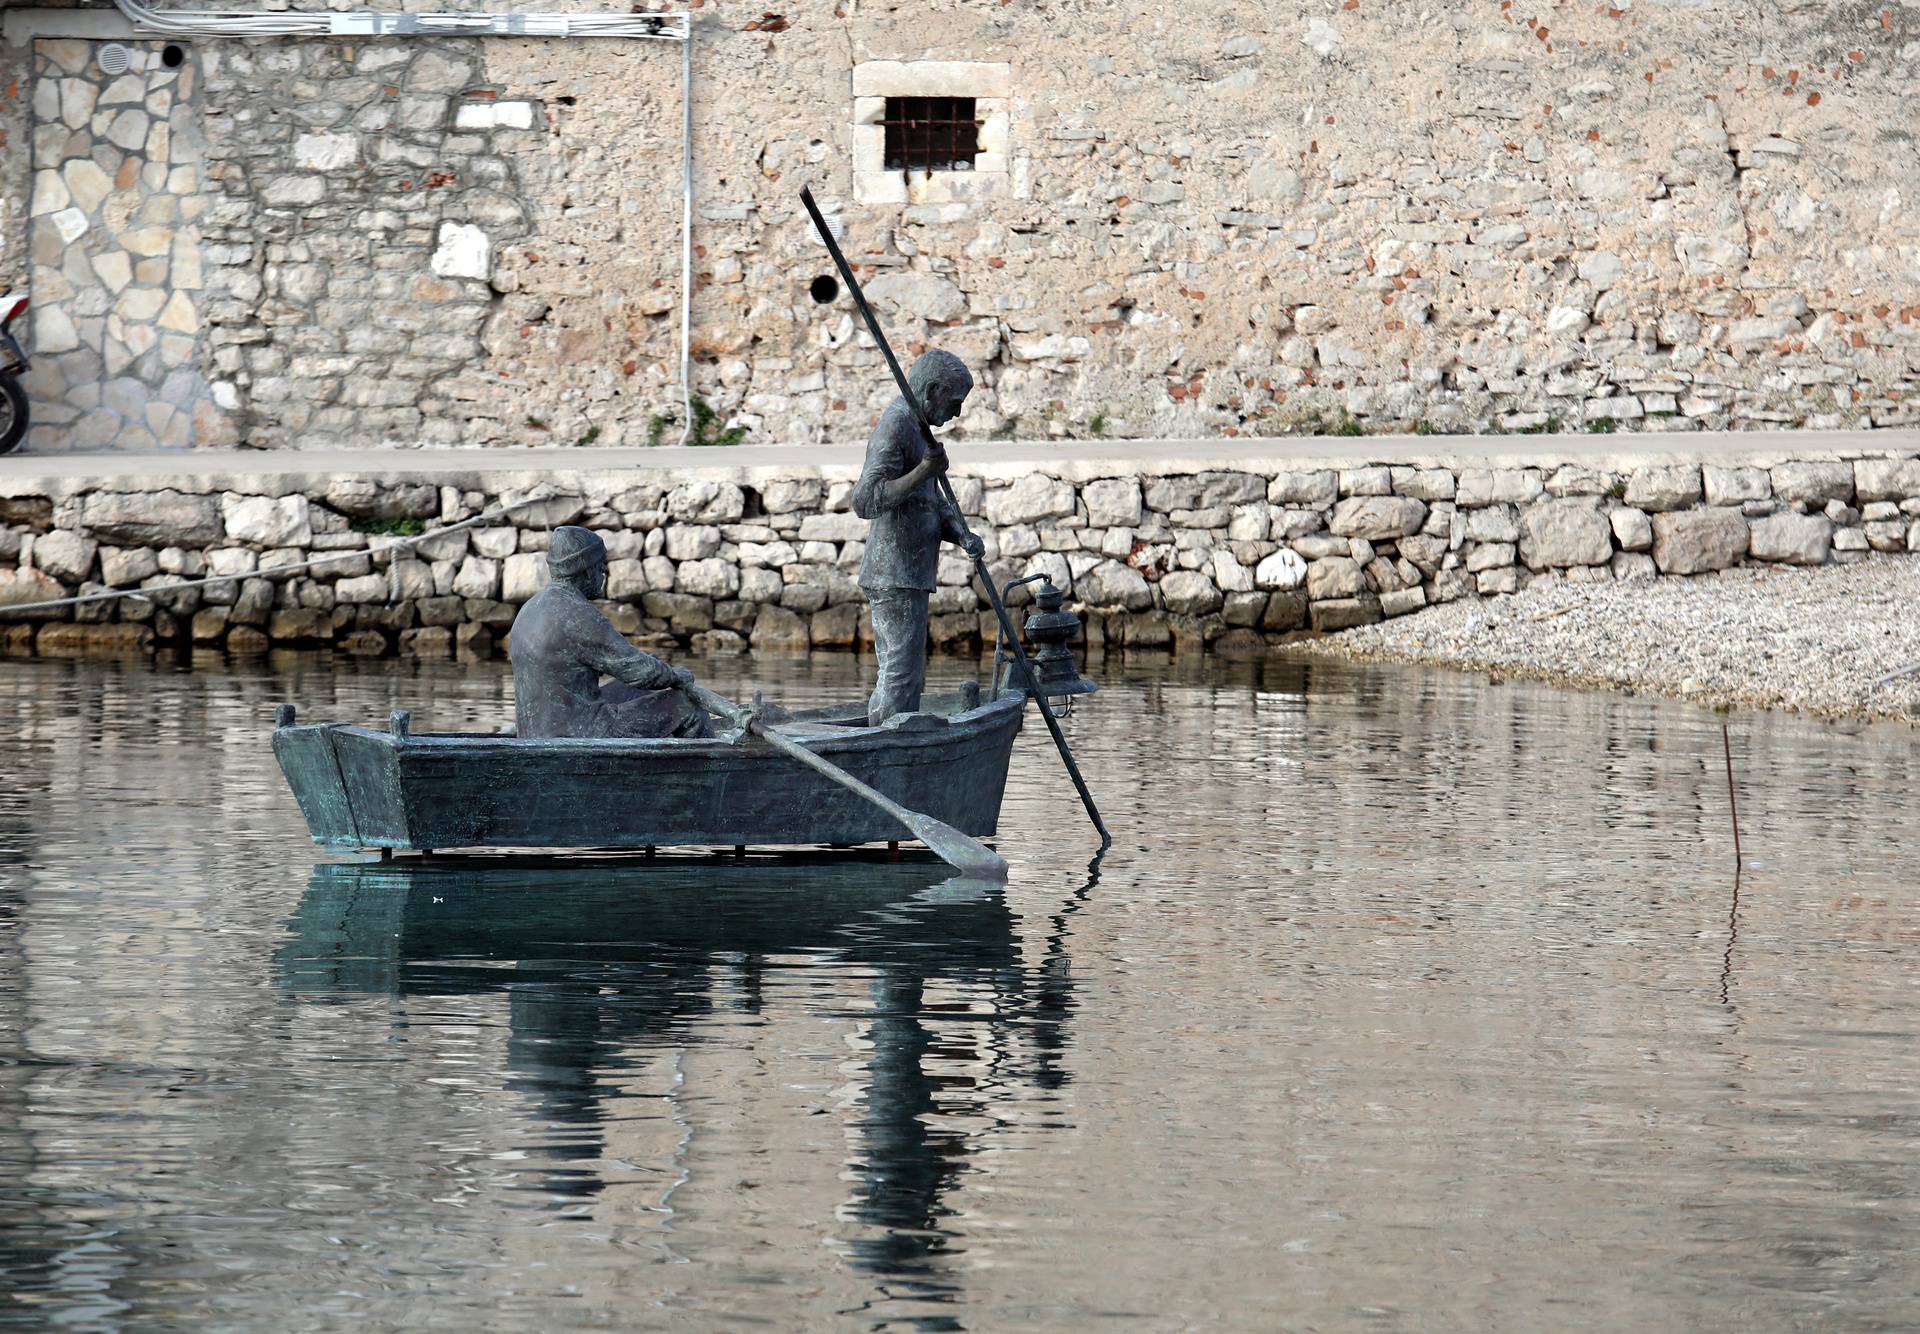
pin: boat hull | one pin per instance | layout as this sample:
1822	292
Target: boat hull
360	788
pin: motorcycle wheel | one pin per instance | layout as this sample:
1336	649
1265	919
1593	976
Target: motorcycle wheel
13	413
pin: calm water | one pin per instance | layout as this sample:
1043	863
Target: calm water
1401	1002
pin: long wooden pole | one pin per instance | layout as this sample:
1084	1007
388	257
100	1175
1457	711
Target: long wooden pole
1007	630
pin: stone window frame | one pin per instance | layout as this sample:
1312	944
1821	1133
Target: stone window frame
988	83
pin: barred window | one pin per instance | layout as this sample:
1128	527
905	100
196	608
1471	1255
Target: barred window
931	134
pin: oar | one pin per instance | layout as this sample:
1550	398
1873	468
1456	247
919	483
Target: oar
1008	634
966	855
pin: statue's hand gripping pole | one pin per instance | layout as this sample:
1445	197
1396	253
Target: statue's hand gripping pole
1009	632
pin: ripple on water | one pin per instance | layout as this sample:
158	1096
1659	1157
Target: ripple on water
1401	1001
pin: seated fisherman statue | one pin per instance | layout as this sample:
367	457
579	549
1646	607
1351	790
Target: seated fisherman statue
561	645
898	492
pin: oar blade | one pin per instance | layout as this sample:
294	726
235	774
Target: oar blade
966	855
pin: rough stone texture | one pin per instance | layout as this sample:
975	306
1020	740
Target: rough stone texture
1694	541
1377	517
713	552
1795	539
1662	216
1558	533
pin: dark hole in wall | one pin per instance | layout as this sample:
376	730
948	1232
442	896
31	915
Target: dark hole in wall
174	56
824	289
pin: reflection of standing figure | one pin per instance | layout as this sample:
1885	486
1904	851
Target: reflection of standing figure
898	492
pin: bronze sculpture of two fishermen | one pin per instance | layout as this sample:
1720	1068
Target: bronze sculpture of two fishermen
562	645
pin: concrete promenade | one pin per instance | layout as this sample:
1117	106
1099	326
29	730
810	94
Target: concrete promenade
1071	460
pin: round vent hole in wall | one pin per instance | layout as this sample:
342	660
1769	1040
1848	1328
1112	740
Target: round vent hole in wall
824	288
174	56
115	59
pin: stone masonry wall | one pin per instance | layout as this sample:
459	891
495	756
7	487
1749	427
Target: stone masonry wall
1214	220
728	560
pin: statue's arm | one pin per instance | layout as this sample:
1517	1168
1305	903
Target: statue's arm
886	480
610	655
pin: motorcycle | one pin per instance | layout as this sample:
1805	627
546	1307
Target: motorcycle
13	364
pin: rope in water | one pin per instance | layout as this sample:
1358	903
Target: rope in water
274	572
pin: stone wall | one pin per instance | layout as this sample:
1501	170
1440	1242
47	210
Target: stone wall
727	560
1225	220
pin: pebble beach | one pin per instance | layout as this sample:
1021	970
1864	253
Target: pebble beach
1823	642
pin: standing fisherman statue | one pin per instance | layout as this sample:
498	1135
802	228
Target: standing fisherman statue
910	400
898	492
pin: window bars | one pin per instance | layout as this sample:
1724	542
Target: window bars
931	134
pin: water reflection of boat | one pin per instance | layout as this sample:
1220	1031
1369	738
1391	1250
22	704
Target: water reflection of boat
361	788
606	964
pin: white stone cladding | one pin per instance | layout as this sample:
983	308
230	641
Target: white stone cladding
1189	555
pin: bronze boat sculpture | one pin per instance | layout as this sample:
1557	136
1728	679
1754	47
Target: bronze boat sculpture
396	790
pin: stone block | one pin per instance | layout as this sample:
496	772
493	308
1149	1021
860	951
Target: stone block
122	567
152	519
1374	481
835	627
1378	517
1112	502
65	555
523	575
1428	484
1308	490
1632	529
1505	579
833	528
683	611
1811	483
1284	569
1345	613
1493	523
1228	573
479	577
361	589
1794	539
1285	611
1189	593
759	585
1886	479
1555	534
69	639
1111	584
789	495
1401	601
1632	565
1736	486
1887	536
1244	609
705	501
300	625
1663	488
692	542
712	578
1335	577
269	521
1490	556
1503	486
1695	541
626	580
1033	497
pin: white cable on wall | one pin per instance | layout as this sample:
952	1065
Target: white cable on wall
666	27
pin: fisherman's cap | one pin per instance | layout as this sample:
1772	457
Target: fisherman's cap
574	550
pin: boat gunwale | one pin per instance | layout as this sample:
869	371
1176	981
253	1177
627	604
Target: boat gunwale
961	727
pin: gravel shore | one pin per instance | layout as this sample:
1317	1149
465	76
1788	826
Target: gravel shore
1819	641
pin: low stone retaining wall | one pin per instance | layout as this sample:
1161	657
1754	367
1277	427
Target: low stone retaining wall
1179	554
